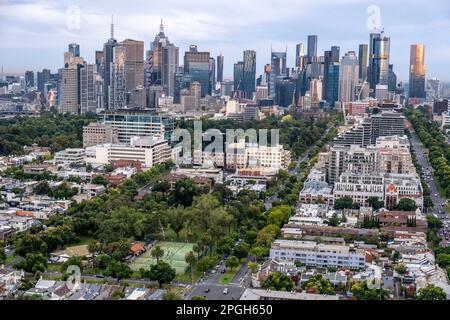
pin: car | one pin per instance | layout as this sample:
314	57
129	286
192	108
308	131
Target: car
207	290
225	291
223	270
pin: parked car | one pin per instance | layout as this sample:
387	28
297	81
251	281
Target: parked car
225	291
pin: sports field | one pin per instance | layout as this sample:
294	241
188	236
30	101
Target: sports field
174	254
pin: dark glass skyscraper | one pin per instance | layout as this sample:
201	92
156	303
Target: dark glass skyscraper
362	58
312	48
212	75
249	73
330	57
332	87
74	49
108	59
378	72
237	75
197	64
29	79
220	61
278	63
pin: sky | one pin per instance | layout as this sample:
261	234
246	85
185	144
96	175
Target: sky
35	34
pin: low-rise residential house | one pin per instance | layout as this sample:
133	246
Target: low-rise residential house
10	281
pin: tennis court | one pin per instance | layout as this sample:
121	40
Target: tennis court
174	254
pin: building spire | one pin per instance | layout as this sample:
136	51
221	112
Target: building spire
161	27
112	27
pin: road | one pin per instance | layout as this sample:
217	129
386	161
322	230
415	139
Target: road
438	201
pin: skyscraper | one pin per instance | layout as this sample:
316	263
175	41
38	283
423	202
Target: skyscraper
197	64
312	48
42	78
417	71
378	72
348	77
249	73
300	56
163	60
278	63
392	79
330	57
108	59
88	98
134	64
74	48
238	72
212	75
332	88
220	61
362	57
71	84
29	79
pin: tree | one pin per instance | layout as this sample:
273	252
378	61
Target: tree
162	272
375	203
432	292
318	284
102	261
443	260
232	262
401	268
198	298
345	203
100	179
361	291
157	253
30	243
406	204
334	220
278	281
2	255
43	188
253	266
118	270
190	260
72	261
184	192
176	218
171	295
241	250
33	263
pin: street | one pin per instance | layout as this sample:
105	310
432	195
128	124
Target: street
438	201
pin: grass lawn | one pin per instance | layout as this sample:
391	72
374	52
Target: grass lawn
186	277
84	241
228	276
10	259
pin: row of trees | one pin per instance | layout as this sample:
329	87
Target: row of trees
432	137
49	130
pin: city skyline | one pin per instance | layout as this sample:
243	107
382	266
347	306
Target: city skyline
258	31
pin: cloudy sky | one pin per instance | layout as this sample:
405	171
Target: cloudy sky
34	34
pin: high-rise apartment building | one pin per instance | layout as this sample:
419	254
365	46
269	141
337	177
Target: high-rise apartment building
249	73
362	58
378	72
312	48
220	62
300	56
348	77
417	71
